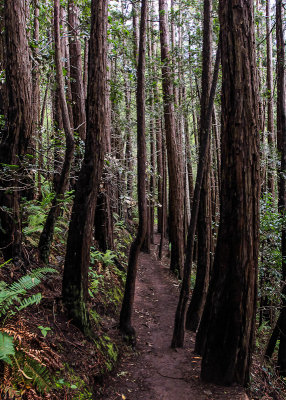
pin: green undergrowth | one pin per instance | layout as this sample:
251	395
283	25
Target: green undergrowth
34	361
73	386
109	351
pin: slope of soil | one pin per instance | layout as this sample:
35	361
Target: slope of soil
154	371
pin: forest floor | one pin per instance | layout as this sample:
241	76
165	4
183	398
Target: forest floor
79	368
154	371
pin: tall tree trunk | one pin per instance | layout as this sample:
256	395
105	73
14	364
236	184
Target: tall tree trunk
77	89
75	279
16	135
174	150
36	88
48	230
281	137
270	113
128	300
128	149
103	219
180	317
204	218
229	315
85	68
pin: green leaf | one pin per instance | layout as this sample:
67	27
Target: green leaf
6	347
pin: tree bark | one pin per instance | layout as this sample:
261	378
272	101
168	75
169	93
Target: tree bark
204	218
77	89
48	230
270	112
75	279
180	317
174	150
128	300
281	136
229	316
16	135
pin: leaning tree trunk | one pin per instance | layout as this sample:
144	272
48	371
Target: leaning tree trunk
128	300
229	316
174	150
48	230
17	132
75	279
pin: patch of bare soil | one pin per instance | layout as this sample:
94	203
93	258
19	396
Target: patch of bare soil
154	371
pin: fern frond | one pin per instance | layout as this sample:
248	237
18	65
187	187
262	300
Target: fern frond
28	301
6	347
40	273
14	293
26	282
36	373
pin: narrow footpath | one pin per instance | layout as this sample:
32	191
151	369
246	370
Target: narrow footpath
154	371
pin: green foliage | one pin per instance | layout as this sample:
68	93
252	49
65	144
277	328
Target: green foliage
6	347
75	387
44	330
30	371
106	258
108	350
270	263
95	281
13	297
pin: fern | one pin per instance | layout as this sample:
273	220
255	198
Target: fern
34	372
6	347
34	299
12	297
25	370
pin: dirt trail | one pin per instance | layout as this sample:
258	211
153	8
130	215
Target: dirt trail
155	371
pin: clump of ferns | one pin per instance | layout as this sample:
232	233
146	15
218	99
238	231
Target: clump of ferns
23	367
14	297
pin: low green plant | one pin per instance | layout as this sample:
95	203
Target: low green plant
74	385
7	348
44	330
106	258
13	297
108	350
24	370
23	367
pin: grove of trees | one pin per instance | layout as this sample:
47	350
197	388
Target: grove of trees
166	118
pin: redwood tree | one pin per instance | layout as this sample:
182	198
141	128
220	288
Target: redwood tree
174	150
16	134
229	317
62	185
75	279
281	138
197	303
128	300
77	89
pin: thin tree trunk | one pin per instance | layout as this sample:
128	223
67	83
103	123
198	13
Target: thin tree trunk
85	67
270	113
128	300
48	230
180	317
174	150
204	217
77	89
